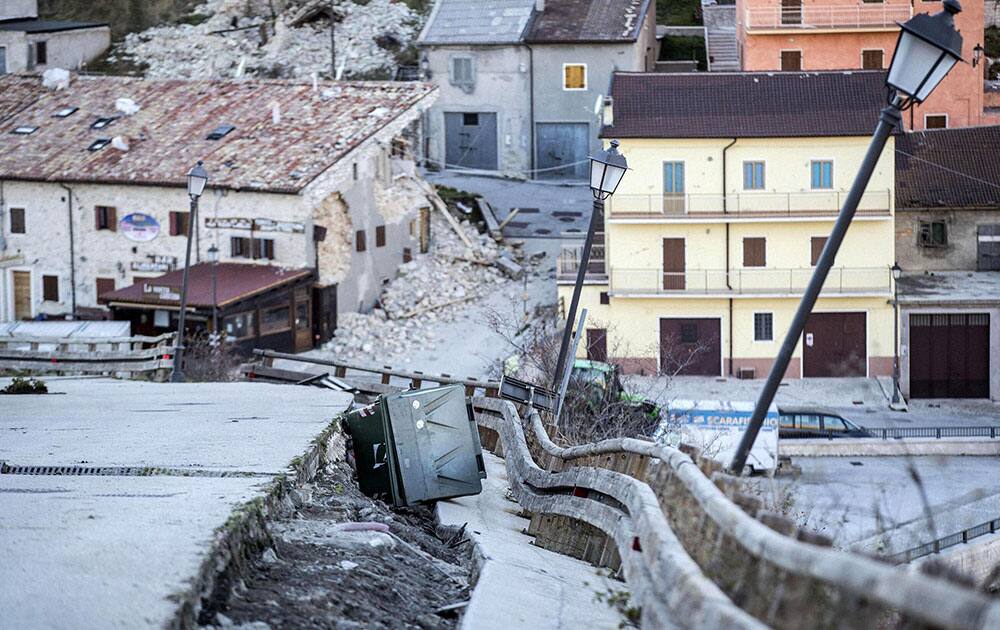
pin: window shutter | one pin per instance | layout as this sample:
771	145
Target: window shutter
113	219
98	211
817	243
255	246
380	236
754	252
50	288
173	224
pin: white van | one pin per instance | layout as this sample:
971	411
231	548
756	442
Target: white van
716	427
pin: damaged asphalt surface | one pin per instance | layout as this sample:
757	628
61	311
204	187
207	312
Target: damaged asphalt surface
332	567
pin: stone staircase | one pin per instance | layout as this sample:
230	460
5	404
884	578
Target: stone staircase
720	26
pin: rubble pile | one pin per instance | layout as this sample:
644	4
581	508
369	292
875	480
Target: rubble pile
433	288
245	38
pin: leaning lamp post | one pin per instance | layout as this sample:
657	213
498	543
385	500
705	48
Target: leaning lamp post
607	168
927	48
197	177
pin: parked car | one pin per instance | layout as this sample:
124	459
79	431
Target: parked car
816	422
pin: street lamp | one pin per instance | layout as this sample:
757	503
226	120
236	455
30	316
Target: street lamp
197	177
213	257
607	168
927	48
897	272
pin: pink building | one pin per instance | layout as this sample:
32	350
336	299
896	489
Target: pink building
808	35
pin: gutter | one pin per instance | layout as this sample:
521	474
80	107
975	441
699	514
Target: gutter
725	211
531	106
72	248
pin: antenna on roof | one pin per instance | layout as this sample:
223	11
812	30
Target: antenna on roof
315	77
240	69
275	113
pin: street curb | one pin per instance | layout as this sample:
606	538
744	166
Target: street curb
244	534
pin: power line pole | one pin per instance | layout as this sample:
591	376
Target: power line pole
333	43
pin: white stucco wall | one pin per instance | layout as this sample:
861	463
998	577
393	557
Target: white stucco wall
502	86
65	49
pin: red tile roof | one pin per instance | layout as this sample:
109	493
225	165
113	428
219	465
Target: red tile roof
949	168
235	282
169	133
746	105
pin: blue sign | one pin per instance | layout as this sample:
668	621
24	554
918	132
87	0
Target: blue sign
139	227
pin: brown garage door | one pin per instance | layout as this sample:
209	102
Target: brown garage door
834	345
691	347
950	355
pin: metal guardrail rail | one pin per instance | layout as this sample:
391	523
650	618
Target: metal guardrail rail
778	577
385	373
938	433
935	546
88	355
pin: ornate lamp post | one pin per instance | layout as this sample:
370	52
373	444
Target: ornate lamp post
197	177
606	171
927	48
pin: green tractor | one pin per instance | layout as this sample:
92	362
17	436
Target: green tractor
600	384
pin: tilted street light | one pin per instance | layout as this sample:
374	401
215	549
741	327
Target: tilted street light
197	178
607	168
927	48
897	273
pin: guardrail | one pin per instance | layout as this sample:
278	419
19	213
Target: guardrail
746	205
568	263
898	433
691	546
88	355
842	280
864	15
266	371
935	546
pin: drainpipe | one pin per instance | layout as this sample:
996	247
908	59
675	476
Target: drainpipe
72	252
531	105
725	210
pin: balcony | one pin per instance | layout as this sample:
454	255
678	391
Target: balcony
842	281
752	205
867	15
568	264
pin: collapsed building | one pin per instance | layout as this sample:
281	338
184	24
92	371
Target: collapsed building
314	176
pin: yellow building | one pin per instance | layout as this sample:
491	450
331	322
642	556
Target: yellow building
712	236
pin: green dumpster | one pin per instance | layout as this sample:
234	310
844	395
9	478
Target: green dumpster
419	445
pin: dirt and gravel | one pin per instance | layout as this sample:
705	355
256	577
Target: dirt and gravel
332	566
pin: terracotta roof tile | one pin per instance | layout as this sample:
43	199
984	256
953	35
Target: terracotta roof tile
949	168
169	133
746	105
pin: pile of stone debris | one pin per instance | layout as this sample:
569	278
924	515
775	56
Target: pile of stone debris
435	287
275	39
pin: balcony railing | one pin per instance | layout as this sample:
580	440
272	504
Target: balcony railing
765	281
568	264
864	15
742	205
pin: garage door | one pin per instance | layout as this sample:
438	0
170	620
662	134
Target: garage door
471	140
950	355
834	344
691	347
563	150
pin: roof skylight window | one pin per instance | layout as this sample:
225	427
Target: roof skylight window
101	123
220	132
99	144
24	130
65	112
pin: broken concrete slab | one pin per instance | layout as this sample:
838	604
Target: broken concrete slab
510	268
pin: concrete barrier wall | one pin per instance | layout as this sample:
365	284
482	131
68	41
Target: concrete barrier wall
874	447
698	548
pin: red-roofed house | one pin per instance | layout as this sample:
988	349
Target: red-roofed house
302	176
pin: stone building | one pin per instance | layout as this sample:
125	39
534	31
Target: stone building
302	176
522	81
29	44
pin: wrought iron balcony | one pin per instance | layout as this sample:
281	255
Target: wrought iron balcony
867	15
568	264
745	205
763	281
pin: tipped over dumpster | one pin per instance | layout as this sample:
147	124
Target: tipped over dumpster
417	446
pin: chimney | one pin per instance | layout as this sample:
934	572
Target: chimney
609	111
539	5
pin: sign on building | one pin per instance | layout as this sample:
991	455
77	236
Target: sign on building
155	263
255	225
139	227
163	292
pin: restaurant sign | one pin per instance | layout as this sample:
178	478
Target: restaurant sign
139	227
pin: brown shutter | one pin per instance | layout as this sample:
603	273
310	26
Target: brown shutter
754	252
673	264
105	285
97	217
359	240
113	219
818	243
791	60
173	224
50	288
380	236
